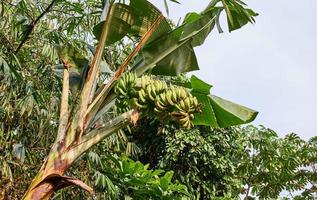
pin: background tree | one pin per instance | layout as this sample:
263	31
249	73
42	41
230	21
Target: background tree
204	159
249	162
271	165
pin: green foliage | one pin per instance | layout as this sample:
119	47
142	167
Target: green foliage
170	52
123	178
203	159
229	163
134	19
237	14
203	162
27	121
271	165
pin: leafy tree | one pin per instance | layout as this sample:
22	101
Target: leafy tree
30	33
203	159
272	165
307	173
249	162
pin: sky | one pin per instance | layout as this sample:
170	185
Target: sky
269	66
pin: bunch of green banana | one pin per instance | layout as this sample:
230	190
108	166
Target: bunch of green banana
126	84
177	97
124	89
183	105
148	93
156	96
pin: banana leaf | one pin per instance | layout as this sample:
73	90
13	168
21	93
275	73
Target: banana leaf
237	13
216	111
173	53
170	52
134	19
168	56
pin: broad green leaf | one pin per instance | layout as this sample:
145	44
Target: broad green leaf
166	180
198	26
146	14
168	56
121	19
173	53
200	86
207	117
218	112
134	19
229	113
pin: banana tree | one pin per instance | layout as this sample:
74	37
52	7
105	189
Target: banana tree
161	50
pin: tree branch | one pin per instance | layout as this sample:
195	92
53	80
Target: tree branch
32	26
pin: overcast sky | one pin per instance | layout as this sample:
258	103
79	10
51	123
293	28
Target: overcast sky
270	66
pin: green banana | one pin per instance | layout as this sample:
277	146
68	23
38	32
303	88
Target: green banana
182	105
174	97
149	92
187	104
157	110
159	104
163	99
122	92
140	105
142	95
169	97
153	93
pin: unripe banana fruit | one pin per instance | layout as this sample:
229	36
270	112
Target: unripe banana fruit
156	97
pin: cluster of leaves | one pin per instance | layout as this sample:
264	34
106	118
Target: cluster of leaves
250	162
28	115
271	165
205	161
202	158
123	178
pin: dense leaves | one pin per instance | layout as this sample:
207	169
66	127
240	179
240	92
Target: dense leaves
272	165
252	161
125	179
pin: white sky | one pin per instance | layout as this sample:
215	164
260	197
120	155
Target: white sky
269	66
